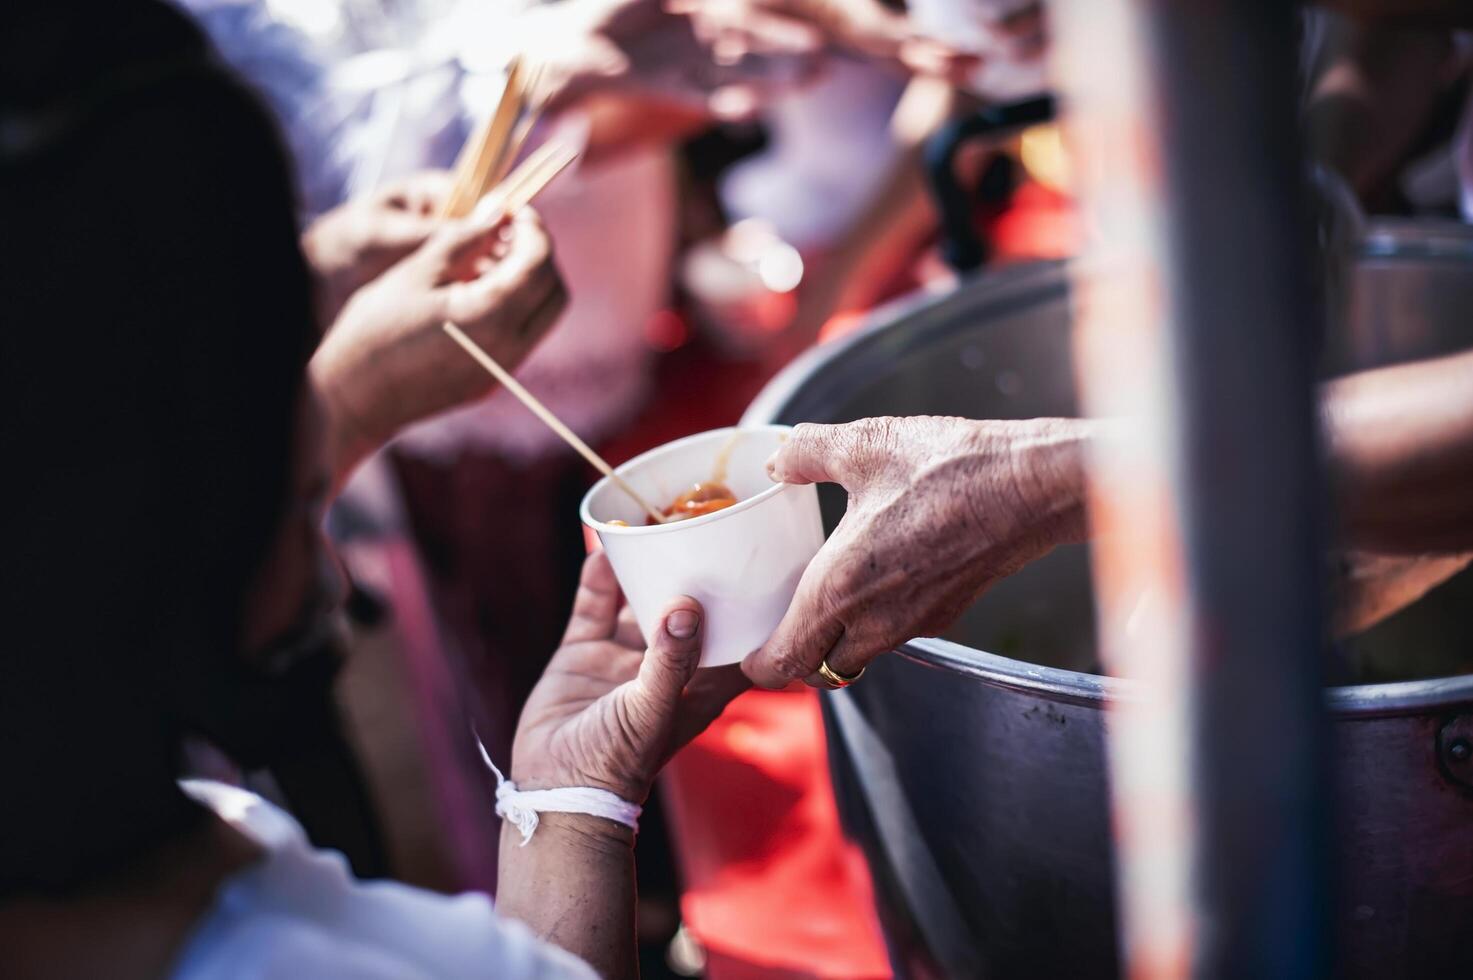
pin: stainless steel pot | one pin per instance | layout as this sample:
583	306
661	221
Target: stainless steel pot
971	769
1401	288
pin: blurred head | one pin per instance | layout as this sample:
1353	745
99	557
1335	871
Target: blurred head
161	542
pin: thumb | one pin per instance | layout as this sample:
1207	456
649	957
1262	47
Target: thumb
674	653
807	631
821	454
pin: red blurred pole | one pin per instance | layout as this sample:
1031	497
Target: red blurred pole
1194	319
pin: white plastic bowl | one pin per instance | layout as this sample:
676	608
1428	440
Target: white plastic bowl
742	563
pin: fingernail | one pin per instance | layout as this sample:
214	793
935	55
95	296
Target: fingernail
772	466
683	623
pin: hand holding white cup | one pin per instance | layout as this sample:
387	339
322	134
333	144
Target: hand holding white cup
742	563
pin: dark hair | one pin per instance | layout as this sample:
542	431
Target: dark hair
157	319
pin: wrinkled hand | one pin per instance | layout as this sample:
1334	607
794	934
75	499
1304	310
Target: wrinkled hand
939	509
607	712
387	361
353	244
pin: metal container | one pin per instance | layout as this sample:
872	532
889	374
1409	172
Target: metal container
972	768
1405	290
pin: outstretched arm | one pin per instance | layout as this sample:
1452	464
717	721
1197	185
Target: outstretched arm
941	508
1400	447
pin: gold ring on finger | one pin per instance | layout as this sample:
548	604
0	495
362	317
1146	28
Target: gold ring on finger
836	680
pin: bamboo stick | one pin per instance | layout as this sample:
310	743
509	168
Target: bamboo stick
545	414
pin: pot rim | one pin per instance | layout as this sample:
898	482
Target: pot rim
1098	690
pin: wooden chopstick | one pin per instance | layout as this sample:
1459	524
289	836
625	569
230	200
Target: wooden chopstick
533	110
481	166
514	148
503	122
483	154
464	172
545	414
529	180
535	173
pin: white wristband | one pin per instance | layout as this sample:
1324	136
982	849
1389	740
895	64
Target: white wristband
521	807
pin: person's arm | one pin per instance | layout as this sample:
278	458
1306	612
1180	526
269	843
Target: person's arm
724	59
573	884
940	508
606	714
1400	446
721	60
894	221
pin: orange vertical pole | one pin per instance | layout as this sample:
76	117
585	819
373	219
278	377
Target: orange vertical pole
1194	318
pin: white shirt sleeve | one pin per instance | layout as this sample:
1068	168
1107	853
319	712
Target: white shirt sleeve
299	912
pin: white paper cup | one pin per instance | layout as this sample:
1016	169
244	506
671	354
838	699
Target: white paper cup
742	563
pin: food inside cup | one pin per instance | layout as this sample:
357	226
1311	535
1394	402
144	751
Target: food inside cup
742	560
699	500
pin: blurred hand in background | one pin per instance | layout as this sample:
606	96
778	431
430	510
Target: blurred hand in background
356	242
386	362
726	58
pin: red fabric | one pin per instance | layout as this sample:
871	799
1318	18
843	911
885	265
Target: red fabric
772	888
1039	224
